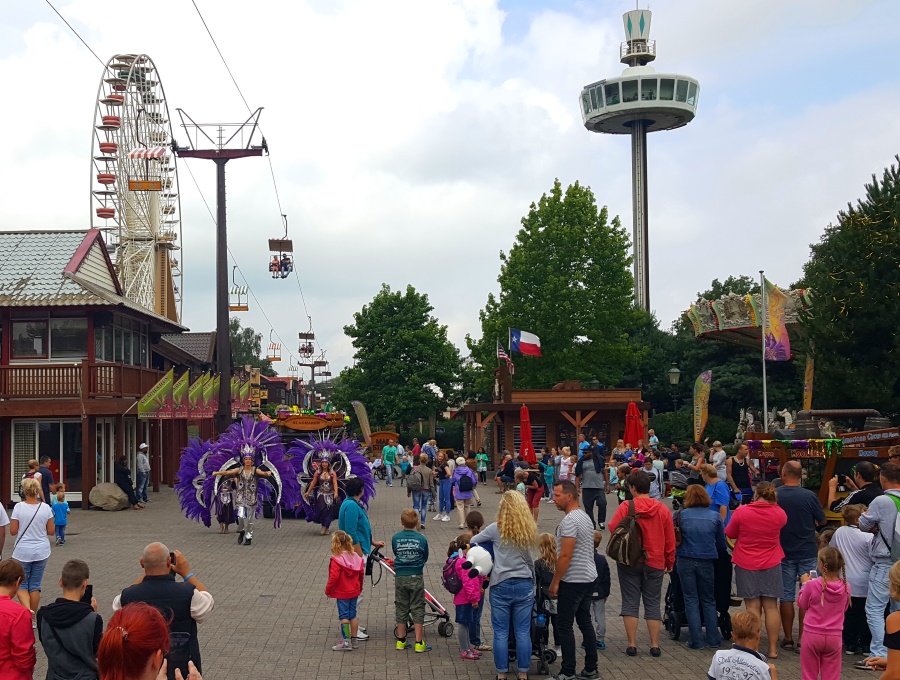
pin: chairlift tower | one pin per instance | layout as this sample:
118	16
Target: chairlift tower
635	103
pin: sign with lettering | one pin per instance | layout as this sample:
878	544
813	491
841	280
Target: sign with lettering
863	438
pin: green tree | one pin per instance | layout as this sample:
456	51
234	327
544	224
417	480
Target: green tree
854	274
405	367
246	348
566	279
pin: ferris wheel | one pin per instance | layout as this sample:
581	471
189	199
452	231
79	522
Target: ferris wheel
134	183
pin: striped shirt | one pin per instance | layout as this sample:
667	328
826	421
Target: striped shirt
578	525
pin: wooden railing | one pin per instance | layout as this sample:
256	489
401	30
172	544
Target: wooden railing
74	381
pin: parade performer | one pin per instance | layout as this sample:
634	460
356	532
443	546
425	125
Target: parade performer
225	512
322	466
248	454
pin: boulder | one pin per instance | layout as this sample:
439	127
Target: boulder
109	497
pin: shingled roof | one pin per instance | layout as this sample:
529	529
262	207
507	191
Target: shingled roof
200	346
63	268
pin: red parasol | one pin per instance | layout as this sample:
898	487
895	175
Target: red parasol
634	426
526	447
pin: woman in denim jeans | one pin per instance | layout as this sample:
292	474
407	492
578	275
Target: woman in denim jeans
422	497
512	537
443	470
702	538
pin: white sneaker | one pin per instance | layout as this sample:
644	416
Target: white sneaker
437	518
361	634
445	518
343	646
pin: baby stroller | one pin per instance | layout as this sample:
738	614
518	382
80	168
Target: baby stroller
540	633
378	469
674	616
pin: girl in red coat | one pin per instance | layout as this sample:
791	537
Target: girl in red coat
345	580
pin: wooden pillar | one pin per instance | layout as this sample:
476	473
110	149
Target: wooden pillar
88	458
5	462
155	455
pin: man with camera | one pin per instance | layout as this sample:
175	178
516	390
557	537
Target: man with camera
863	484
183	604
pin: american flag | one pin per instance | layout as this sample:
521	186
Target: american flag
501	354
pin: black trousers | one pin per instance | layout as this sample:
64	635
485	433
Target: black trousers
591	498
856	631
573	605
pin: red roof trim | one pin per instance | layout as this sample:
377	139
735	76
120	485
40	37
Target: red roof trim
92	236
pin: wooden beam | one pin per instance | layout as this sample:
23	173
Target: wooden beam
588	417
569	418
489	418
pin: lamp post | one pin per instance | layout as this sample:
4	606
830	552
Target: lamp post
674	376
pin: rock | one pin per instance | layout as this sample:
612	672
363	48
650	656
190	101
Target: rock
109	497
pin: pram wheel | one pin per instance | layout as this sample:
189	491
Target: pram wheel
445	629
549	655
673	622
725	625
543	667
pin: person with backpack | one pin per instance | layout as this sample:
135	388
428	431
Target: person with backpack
643	545
592	479
32	473
464	482
881	519
420	486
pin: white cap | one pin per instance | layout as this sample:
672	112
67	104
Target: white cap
143	446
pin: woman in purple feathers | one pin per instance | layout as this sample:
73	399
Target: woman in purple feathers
325	485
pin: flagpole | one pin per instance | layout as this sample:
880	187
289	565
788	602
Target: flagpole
509	344
497	352
765	313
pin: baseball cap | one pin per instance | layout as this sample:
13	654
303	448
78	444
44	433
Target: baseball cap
143	447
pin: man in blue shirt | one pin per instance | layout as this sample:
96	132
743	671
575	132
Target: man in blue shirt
582	446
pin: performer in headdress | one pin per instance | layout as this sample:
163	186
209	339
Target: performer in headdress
225	512
325	486
246	493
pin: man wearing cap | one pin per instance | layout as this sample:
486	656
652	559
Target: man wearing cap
143	473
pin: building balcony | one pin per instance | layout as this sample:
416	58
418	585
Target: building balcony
76	381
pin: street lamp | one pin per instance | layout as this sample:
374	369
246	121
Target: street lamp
674	376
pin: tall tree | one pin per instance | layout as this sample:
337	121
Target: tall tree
854	274
566	279
246	348
405	367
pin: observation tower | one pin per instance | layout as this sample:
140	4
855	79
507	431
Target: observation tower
635	103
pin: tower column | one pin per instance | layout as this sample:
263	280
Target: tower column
640	231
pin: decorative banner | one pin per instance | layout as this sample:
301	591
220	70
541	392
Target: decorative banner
179	396
213	403
244	403
808	382
157	403
195	397
778	344
363	419
701	403
209	394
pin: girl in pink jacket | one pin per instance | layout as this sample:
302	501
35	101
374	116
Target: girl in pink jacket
825	599
467	599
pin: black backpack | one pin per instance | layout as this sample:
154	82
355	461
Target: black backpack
626	545
27	475
465	483
414	480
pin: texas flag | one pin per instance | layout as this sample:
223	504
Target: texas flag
524	342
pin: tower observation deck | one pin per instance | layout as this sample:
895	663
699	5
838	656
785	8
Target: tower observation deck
635	103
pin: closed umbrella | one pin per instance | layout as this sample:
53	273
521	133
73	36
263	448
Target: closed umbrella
634	427
526	447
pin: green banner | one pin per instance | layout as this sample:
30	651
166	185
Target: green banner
179	395
209	393
245	397
157	403
701	403
195	397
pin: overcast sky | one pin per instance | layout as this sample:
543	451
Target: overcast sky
409	137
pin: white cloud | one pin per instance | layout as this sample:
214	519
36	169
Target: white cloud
409	138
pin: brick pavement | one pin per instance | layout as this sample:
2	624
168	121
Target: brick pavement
272	619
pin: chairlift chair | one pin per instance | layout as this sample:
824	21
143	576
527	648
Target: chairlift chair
274	351
281	263
238	296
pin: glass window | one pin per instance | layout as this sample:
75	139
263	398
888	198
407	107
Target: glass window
98	344
648	89
612	94
586	103
681	91
126	345
108	343
68	338
29	339
629	91
692	94
117	344
593	94
599	91
143	361
666	89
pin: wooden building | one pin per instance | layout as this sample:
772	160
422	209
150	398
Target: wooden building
75	356
557	416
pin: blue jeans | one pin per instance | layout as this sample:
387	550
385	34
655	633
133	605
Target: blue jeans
61	533
445	502
511	604
347	609
698	587
878	598
389	468
475	628
420	501
791	570
34	574
143	479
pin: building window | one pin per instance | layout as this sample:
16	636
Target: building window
666	89
692	94
681	88
68	338
612	94
29	339
629	91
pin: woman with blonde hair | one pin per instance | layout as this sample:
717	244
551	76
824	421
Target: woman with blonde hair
544	569
565	464
31	522
512	537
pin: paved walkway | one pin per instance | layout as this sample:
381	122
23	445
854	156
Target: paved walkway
273	621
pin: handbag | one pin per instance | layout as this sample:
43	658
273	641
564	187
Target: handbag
734	500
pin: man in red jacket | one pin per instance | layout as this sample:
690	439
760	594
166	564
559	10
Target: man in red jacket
645	580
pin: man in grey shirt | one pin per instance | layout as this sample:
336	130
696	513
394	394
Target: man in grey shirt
573	583
880	519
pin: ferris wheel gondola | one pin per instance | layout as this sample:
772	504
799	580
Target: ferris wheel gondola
134	183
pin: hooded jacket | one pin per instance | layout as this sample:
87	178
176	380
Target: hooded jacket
657	530
825	603
345	576
70	634
458	473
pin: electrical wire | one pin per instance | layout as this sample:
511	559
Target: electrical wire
102	63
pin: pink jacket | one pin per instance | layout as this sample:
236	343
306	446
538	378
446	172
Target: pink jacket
824	608
471	590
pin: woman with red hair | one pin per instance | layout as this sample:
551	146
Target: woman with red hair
135	645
